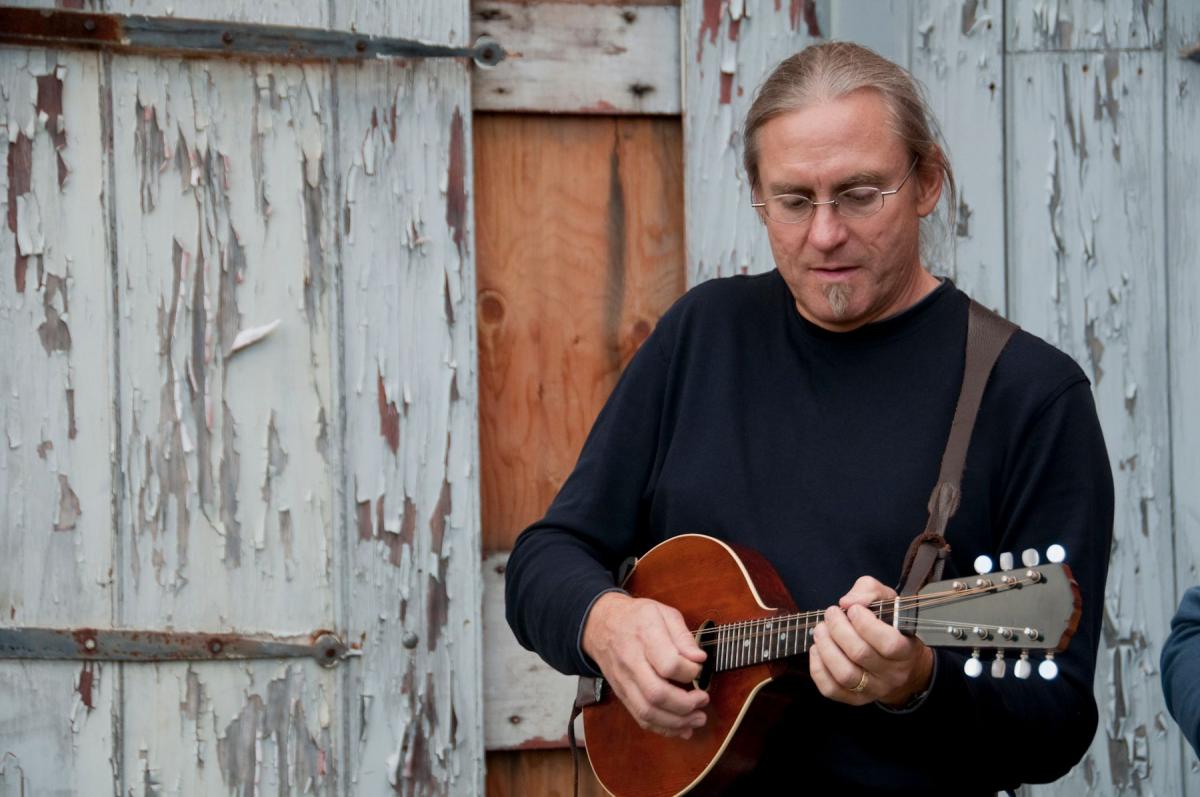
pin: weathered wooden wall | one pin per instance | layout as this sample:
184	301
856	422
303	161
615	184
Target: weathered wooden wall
240	396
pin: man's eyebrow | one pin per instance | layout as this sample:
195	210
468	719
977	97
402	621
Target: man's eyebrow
856	179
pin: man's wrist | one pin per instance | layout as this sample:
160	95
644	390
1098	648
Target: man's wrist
914	693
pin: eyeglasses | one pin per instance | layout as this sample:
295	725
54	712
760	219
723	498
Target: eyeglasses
853	203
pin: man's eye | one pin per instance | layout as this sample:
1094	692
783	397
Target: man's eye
793	201
863	195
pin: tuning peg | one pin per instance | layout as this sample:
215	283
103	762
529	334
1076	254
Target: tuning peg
1006	561
998	665
983	564
1048	669
1022	669
973	666
1030	557
1056	553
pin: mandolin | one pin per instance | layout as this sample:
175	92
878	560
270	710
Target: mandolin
746	622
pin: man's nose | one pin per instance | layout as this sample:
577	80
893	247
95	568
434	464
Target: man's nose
827	229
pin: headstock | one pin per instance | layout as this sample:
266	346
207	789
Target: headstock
1008	613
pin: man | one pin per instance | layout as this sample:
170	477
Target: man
803	413
1181	668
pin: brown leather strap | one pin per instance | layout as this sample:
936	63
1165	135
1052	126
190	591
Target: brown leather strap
987	334
587	694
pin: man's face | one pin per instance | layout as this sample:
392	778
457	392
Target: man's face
846	272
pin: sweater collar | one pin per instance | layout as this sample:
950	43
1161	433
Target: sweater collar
929	306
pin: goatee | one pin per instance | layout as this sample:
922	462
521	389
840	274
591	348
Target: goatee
839	299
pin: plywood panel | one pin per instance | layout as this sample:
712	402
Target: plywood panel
1087	273
406	224
1182	88
222	209
580	252
728	48
958	54
1074	25
56	428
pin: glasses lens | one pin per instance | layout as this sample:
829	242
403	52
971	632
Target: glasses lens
789	208
861	201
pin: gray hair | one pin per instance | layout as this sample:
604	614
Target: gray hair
831	70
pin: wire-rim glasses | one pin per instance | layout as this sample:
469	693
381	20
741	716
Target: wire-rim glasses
857	202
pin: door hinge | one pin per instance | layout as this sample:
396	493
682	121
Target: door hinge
122	644
200	38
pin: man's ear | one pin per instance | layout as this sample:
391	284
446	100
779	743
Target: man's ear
930	180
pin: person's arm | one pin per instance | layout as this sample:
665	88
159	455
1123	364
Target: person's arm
1181	668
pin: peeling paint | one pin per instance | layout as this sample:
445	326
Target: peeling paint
54	332
710	24
456	188
50	104
69	510
389	418
20	174
86	683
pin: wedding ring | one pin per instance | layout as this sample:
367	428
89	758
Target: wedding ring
862	683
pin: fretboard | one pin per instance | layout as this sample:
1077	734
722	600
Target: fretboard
757	641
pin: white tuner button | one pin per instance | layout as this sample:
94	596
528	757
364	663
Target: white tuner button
1056	553
1022	669
998	665
983	564
1048	669
1006	561
1030	557
973	667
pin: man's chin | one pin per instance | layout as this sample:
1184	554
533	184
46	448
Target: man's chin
837	298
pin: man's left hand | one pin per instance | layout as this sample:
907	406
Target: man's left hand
856	658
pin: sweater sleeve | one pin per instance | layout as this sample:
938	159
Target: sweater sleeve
1058	489
563	562
1181	668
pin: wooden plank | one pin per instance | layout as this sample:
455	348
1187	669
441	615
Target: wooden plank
727	51
958	54
526	703
1073	25
1182	87
571	58
223	217
546	773
1087	273
407	247
56	529
580	252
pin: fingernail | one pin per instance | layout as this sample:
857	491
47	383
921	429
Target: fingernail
698	722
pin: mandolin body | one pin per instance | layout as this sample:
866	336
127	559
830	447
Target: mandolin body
706	580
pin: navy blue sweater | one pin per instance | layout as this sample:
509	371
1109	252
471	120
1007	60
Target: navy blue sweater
739	419
1181	667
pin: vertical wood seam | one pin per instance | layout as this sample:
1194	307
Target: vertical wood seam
1005	96
342	548
117	584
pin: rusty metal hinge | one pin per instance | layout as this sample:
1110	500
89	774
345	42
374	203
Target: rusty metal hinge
199	38
121	644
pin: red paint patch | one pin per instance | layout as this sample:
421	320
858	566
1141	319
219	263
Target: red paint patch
810	18
87	680
710	23
389	419
726	88
20	171
599	106
456	188
408	524
49	102
735	28
437	523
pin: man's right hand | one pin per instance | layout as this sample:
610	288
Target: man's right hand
642	646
